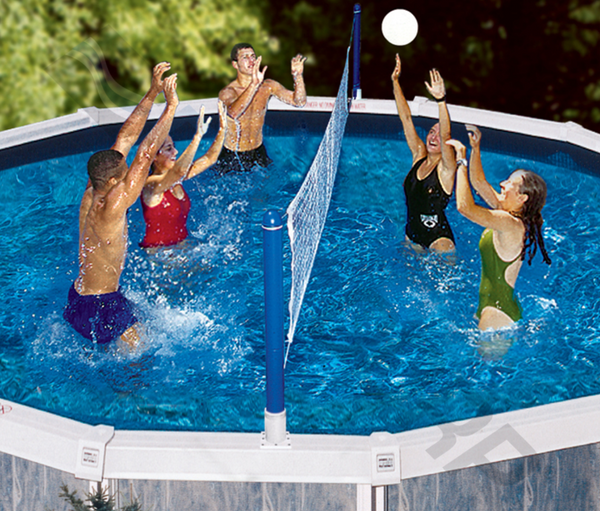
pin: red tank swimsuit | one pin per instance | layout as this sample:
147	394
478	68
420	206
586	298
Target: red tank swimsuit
166	222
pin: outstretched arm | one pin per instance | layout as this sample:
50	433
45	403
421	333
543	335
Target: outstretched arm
133	126
476	174
465	203
138	172
157	185
447	169
415	144
237	105
297	97
202	163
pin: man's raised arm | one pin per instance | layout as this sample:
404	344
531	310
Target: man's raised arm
298	76
237	105
297	97
133	126
138	172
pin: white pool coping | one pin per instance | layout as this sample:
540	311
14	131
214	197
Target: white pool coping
101	452
569	132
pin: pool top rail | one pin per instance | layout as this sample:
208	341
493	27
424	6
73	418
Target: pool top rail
101	452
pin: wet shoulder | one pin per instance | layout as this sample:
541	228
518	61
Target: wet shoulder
270	85
229	93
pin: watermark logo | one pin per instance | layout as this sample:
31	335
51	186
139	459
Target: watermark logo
84	73
479	453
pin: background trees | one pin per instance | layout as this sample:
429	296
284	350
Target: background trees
536	58
529	57
60	55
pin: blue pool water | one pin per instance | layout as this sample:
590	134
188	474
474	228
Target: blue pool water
386	339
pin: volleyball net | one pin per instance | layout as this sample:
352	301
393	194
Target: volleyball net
308	211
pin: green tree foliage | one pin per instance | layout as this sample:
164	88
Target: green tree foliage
61	55
529	57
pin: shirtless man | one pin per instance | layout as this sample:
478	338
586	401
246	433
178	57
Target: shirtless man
96	308
246	100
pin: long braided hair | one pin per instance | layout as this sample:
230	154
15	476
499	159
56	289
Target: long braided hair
531	215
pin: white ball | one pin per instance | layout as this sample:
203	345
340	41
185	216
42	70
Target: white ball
400	27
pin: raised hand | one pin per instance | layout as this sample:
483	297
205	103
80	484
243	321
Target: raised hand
202	125
298	65
170	90
157	72
474	135
461	150
257	75
397	69
437	88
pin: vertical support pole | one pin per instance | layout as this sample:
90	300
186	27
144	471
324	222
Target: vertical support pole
372	498
356	90
364	497
275	420
379	498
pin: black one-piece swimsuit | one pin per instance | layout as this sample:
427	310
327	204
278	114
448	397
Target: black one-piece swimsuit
426	201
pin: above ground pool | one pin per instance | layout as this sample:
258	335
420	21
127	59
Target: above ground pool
386	339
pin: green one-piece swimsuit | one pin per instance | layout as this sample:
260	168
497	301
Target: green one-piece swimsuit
494	291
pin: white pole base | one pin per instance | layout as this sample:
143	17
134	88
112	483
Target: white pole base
275	434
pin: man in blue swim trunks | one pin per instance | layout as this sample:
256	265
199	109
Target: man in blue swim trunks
246	99
96	308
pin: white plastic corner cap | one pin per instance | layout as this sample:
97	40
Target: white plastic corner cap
91	453
385	459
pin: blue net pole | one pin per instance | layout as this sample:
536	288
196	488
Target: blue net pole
273	269
356	90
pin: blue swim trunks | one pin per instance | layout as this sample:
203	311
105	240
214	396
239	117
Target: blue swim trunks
100	318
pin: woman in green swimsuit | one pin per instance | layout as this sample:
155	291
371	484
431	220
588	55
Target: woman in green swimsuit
513	230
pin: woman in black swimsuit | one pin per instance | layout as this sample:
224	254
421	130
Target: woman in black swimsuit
429	184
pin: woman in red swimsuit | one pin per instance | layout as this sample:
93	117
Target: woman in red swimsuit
165	204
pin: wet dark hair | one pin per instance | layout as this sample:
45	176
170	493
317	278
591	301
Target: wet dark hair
103	165
531	215
237	48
